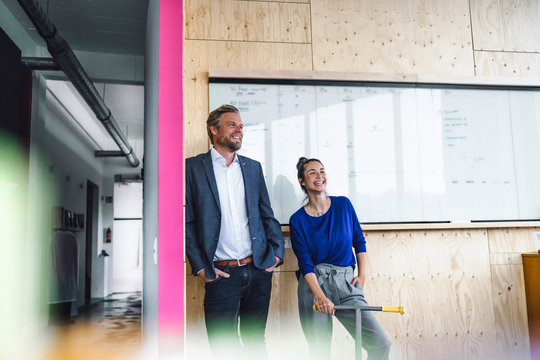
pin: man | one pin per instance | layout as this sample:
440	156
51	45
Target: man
233	241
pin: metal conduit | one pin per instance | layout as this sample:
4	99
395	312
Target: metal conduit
70	65
38	63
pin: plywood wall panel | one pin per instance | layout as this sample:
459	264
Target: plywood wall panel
506	25
489	63
284	334
511	240
247	21
432	37
207	19
196	338
446	291
283	1
290	262
200	56
506	259
510	312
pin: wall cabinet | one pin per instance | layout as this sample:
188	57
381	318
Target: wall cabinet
531	274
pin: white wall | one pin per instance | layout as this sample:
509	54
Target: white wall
120	67
38	218
127	237
23	264
18	34
71	162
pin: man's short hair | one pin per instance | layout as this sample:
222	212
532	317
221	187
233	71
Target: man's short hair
215	116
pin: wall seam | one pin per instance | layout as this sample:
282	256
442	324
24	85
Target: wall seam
472	39
311	34
250	41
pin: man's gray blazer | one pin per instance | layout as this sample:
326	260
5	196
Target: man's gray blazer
203	215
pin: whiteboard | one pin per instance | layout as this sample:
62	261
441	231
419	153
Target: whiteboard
400	152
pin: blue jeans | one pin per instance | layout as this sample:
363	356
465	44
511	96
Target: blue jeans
244	296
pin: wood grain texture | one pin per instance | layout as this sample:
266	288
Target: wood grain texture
511	240
199	56
510	309
506	25
284	334
443	280
505	259
197	346
392	36
312	75
489	63
247	21
283	1
290	261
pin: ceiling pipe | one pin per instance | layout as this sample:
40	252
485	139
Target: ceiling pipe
39	63
107	153
70	65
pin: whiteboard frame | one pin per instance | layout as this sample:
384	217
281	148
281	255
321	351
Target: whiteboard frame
498	81
419	79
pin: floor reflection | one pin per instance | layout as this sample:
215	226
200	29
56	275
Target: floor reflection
106	329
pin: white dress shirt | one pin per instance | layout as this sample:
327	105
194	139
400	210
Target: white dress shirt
234	238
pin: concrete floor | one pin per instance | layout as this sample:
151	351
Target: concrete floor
106	329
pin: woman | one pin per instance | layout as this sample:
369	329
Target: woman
323	233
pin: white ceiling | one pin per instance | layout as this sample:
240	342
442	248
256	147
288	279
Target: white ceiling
126	103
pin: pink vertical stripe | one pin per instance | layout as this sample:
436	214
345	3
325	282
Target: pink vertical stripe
171	231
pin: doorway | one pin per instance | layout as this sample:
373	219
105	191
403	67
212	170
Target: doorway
92	202
128	237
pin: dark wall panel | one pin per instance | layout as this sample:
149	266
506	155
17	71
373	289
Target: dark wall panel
10	78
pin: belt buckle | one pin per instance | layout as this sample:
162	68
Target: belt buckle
238	262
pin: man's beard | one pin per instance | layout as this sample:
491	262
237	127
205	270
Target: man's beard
233	146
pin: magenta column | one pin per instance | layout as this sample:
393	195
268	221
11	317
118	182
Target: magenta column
171	163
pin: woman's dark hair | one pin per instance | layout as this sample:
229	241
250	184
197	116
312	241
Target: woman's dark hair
301	165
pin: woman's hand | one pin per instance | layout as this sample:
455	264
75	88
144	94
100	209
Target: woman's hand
361	261
360	280
324	305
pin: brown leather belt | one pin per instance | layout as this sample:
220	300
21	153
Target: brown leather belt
231	263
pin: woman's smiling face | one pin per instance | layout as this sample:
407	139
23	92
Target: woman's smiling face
314	177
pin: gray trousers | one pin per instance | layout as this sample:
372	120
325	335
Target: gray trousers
335	282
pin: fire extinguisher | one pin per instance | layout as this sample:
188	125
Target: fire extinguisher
108	235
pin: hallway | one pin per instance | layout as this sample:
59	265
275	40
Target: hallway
109	329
